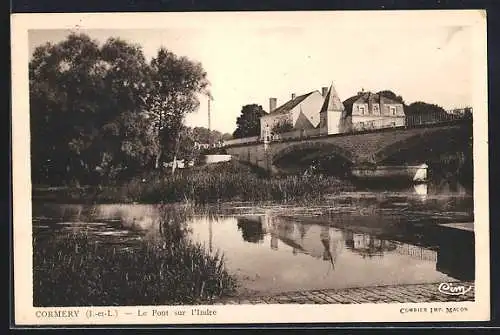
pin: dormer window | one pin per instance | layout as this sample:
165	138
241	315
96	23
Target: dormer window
361	110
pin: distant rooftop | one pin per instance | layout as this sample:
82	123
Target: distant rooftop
289	105
332	101
367	97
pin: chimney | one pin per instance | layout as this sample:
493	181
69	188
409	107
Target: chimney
324	91
293	96
272	104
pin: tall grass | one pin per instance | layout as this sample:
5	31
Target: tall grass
219	182
79	270
228	182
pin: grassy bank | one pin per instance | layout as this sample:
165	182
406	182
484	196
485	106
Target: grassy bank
229	181
80	270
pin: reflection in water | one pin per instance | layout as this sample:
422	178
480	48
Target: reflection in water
323	242
421	190
456	257
251	230
305	256
367	245
355	240
445	187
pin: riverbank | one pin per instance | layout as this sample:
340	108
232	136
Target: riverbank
226	181
415	293
75	269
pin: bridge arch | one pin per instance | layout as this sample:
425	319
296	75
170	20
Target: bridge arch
312	149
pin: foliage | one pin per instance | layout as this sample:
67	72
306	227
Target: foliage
101	113
420	107
176	81
204	135
227	181
391	95
282	127
248	123
189	136
226	136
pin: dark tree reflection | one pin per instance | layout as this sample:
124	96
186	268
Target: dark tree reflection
251	230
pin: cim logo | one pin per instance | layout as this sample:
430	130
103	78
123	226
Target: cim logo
450	289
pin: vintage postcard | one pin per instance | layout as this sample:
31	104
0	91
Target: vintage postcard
250	167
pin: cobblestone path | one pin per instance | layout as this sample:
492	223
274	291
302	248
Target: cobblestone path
417	293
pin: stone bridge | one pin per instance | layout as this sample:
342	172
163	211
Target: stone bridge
370	148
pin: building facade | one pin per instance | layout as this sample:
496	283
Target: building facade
300	112
324	113
333	114
368	110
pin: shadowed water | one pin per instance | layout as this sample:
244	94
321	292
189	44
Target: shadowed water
349	240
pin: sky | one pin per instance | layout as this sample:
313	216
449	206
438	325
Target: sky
251	62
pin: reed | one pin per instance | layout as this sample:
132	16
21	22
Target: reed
76	269
210	184
225	182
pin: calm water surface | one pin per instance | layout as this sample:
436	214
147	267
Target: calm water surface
350	240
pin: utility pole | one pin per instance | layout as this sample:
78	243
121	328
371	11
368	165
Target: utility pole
210	233
209	125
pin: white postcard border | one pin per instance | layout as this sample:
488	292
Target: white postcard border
26	314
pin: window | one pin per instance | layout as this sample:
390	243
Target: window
393	110
375	109
361	124
362	110
393	124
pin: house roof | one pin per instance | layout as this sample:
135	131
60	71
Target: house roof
289	105
332	101
303	121
368	98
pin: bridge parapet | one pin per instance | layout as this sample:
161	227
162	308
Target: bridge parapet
304	134
239	141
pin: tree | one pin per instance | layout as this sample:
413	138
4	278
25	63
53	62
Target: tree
66	93
86	110
201	134
226	136
102	112
420	107
467	113
187	149
176	82
204	135
248	123
391	95
421	112
127	138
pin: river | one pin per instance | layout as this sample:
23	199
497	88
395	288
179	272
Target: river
354	239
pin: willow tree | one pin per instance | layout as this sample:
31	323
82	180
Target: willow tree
66	96
99	113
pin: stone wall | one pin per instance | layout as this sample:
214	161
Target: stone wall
370	147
